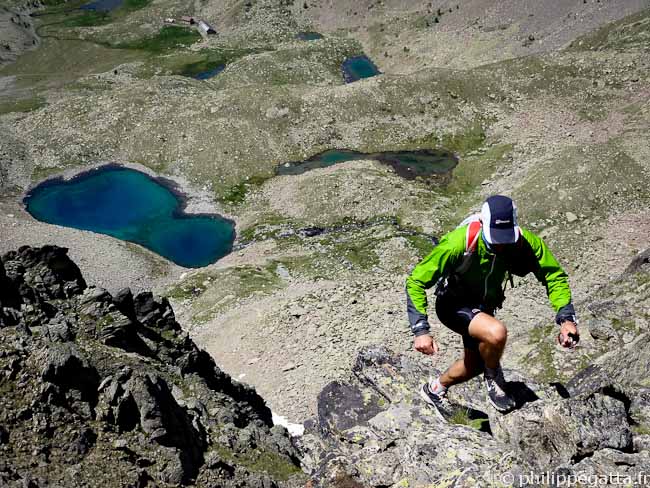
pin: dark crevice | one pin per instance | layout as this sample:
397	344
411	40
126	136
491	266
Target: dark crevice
576	458
561	390
474	414
366	382
625	463
613	392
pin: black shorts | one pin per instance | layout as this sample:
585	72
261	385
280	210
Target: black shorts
456	316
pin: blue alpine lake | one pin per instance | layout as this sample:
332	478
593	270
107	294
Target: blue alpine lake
209	73
103	5
407	164
358	67
134	207
308	36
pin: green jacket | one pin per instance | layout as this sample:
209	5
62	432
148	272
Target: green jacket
484	281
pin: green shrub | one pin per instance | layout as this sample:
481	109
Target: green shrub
87	18
168	37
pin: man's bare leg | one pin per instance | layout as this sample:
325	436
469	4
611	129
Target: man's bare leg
492	336
464	369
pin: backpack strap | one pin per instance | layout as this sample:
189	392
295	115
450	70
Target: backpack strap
471	236
471	242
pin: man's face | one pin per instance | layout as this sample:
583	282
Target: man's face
502	248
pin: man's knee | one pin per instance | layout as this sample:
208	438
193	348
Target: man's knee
487	329
497	335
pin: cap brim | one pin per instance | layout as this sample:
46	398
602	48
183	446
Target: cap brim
503	236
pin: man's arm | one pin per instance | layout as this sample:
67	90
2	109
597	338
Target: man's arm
556	282
446	254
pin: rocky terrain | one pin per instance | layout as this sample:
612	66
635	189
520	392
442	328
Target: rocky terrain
17	33
548	102
102	390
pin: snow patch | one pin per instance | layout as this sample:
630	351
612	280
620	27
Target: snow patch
296	430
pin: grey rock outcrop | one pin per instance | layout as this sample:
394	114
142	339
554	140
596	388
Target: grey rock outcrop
374	430
103	391
17	34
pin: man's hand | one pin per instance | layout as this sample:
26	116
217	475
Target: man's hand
426	345
569	335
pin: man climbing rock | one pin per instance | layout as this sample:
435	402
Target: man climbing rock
470	268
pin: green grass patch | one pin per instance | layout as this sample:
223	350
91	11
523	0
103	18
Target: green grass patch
464	142
59	63
541	359
622	325
266	227
236	194
422	244
22	105
87	18
539	334
359	254
211	293
641	429
207	59
72	15
466	179
259	460
630	32
169	37
471	171
135	4
191	287
460	143
461	416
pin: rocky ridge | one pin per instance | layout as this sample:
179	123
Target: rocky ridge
17	33
108	390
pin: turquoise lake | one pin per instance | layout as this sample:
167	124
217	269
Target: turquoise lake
308	36
134	207
358	67
103	5
407	164
205	75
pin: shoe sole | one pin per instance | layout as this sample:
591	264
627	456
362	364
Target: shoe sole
428	401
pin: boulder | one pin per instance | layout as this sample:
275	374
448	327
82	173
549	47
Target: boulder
641	262
373	429
611	467
552	433
124	302
65	367
624	367
155	312
44	273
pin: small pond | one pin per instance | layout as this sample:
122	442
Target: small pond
103	5
209	73
308	36
358	67
407	164
134	207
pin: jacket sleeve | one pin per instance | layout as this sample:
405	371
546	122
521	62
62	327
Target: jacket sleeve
553	277
446	255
